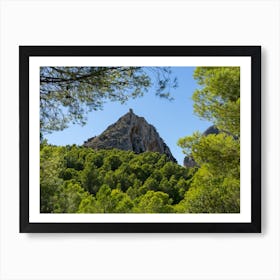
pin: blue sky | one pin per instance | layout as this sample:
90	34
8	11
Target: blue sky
172	119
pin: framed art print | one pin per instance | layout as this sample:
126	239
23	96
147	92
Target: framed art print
140	138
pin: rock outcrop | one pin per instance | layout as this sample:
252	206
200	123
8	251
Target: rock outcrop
189	161
130	133
211	130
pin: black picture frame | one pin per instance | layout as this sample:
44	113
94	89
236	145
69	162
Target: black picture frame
254	52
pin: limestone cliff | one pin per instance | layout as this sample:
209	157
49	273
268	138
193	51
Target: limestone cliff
130	133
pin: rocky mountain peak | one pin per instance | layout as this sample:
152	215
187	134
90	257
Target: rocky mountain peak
130	133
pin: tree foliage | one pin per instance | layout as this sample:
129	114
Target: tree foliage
109	181
215	186
67	94
218	97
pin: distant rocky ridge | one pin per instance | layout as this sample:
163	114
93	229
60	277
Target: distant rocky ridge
189	161
211	130
130	133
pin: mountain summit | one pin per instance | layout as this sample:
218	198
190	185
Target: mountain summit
130	133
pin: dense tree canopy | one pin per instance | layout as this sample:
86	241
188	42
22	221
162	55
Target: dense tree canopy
215	187
68	93
82	180
218	97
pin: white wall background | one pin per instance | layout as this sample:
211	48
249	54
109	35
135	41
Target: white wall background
139	256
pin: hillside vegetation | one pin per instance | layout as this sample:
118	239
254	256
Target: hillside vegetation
82	180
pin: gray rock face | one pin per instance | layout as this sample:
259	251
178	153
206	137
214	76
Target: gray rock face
189	161
211	130
130	133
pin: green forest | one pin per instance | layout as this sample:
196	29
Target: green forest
76	179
